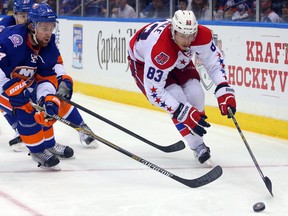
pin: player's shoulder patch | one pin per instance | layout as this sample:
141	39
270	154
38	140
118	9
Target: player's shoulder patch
162	58
164	52
13	38
16	40
204	36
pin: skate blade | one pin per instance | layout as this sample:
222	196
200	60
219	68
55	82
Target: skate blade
64	158
209	163
53	168
93	145
18	147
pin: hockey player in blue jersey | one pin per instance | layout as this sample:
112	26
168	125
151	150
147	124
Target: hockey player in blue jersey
65	88
20	13
28	61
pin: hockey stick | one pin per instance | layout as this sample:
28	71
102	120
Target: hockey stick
171	148
266	180
207	178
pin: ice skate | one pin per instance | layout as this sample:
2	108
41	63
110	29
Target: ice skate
61	151
46	160
16	143
86	140
202	153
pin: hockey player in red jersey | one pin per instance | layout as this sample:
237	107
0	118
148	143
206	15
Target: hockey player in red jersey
160	57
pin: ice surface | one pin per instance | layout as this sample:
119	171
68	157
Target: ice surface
105	182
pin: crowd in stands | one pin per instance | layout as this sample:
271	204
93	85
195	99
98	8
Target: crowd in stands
234	10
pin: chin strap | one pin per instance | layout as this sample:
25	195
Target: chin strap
33	31
34	37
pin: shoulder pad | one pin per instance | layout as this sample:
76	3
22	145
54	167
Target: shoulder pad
204	36
165	52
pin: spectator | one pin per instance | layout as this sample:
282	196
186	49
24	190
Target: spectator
123	10
52	4
201	9
70	7
285	12
4	7
277	6
234	9
10	7
112	5
222	6
132	3
96	8
182	4
267	14
144	4
156	9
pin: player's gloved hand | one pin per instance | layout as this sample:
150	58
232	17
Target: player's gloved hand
226	98
192	118
18	95
51	105
65	88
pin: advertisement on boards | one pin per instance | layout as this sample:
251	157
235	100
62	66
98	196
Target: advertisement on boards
77	46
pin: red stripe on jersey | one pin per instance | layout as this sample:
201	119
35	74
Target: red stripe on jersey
184	131
165	52
204	36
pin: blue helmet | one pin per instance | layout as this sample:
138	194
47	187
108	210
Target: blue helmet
41	13
22	5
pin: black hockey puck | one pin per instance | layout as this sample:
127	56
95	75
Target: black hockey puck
259	206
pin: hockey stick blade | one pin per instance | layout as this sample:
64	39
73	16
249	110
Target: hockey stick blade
209	177
268	184
171	148
168	149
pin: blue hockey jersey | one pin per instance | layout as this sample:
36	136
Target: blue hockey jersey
18	58
7	21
